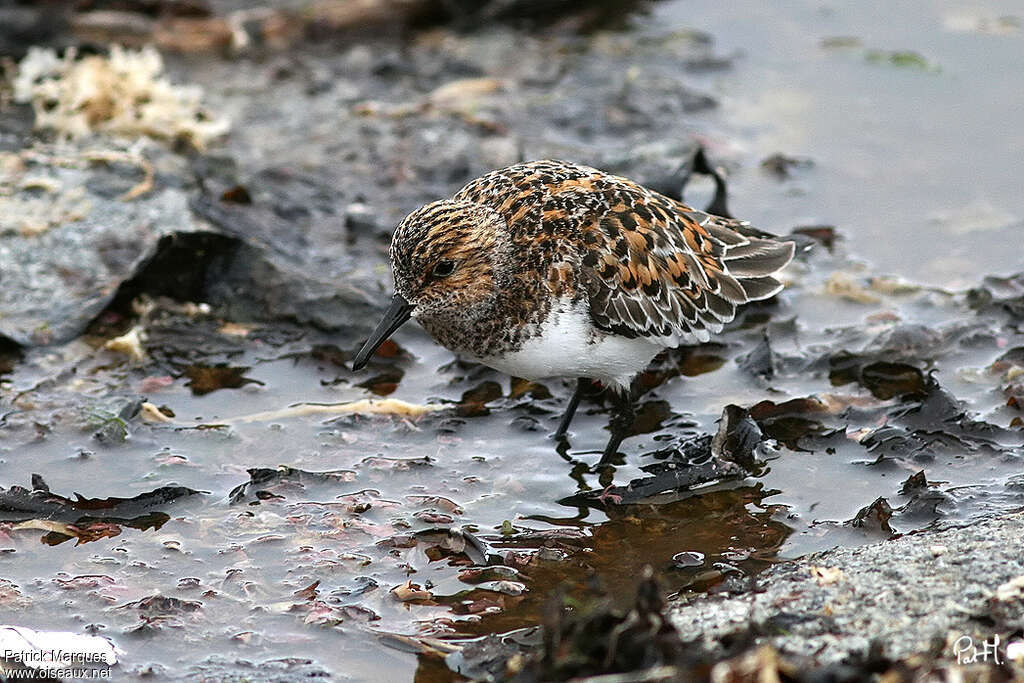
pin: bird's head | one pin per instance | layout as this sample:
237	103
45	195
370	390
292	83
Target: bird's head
443	256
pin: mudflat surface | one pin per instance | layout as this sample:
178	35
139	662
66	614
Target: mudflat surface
246	508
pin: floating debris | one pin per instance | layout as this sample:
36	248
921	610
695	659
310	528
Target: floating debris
782	166
905	59
130	344
845	286
366	406
87	519
264	483
123	94
204	379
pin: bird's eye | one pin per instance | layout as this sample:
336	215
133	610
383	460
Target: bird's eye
444	269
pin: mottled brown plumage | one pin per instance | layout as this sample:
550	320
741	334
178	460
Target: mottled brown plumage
552	268
646	265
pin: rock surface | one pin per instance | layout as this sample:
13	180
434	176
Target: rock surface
917	593
307	210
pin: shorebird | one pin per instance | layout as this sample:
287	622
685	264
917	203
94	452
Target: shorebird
554	269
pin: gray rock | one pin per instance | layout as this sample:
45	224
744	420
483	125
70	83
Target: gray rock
917	593
70	244
67	246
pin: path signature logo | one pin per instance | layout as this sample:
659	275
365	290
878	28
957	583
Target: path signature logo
969	652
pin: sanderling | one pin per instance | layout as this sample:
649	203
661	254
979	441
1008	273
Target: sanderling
553	269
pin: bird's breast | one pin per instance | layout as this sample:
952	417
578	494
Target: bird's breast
566	344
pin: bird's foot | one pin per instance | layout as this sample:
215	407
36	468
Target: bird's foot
607	495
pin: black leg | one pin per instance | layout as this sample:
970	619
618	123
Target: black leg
570	410
621	423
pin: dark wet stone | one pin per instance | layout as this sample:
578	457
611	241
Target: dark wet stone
825	235
760	362
109	418
456	541
265	483
474	401
688	559
874	518
737	438
205	379
57	280
886	380
260	268
1003	294
924	507
914	482
790	421
276	273
15	125
782	166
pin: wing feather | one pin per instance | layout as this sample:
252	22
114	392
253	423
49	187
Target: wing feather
649	266
681	273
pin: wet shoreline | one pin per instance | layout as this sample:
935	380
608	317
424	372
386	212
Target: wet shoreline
180	312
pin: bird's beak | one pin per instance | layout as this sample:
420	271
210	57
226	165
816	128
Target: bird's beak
398	312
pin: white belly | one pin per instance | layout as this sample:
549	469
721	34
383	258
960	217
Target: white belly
569	346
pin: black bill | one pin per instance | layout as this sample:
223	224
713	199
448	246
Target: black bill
398	312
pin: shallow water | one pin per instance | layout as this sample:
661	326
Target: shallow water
914	161
898	153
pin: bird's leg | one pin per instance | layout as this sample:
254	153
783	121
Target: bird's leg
570	410
623	415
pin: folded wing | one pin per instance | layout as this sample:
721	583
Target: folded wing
654	267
